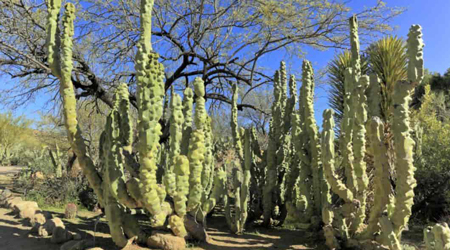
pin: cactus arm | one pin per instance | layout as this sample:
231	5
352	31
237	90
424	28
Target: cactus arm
328	157
196	157
53	41
208	167
188	96
375	131
200	111
347	132
234	121
67	92
312	131
404	144
176	123
354	43
218	191
388	236
150	92
428	238
374	96
415	54
245	187
359	148
177	226
181	171
441	235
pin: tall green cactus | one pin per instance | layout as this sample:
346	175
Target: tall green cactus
188	183
241	177
346	221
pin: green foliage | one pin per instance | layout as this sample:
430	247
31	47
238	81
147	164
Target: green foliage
432	200
388	60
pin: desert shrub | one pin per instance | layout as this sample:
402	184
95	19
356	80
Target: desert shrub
57	192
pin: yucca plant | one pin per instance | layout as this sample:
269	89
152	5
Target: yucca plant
388	60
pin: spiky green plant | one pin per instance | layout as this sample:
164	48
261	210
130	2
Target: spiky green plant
388	60
336	74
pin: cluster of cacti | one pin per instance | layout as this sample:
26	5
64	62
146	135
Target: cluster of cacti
176	182
188	185
344	225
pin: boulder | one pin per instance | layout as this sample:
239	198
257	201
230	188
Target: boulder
11	202
195	229
21	206
166	241
49	227
61	235
28	213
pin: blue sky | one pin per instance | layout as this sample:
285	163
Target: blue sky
432	15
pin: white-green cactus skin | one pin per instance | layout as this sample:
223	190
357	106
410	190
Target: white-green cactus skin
388	217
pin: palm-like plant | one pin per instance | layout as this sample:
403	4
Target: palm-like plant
336	70
388	60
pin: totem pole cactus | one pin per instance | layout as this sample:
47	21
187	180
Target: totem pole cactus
310	192
188	170
241	178
344	225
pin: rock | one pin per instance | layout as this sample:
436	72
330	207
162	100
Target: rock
61	235
49	226
78	245
195	229
5	194
166	241
10	203
21	206
28	213
95	248
38	219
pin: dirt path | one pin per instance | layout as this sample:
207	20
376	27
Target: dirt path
14	235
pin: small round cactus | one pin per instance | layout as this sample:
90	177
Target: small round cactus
71	211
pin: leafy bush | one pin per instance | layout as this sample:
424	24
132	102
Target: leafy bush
432	160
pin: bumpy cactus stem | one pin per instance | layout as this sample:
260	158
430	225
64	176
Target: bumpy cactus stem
188	98
375	130
311	130
437	237
63	71
359	148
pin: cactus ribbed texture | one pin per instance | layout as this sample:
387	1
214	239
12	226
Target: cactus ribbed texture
188	98
389	215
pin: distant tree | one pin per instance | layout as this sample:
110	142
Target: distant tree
14	131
